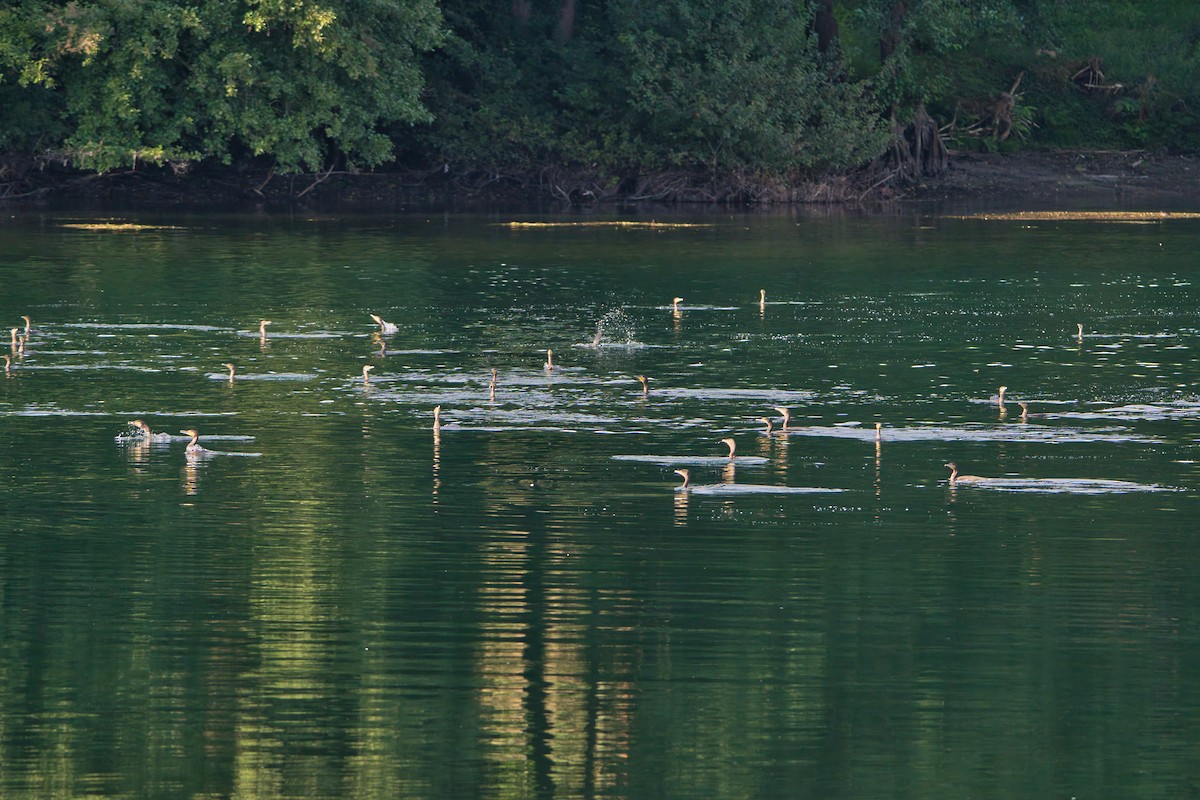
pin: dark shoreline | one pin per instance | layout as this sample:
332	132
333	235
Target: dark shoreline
1047	179
1026	179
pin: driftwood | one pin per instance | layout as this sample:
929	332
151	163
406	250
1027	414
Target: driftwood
317	180
1090	78
991	118
1090	74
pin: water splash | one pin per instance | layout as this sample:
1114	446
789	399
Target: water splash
614	329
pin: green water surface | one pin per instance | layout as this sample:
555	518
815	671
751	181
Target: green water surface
524	605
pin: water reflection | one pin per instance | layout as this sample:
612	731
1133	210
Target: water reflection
878	462
138	451
765	443
681	506
191	474
437	461
780	444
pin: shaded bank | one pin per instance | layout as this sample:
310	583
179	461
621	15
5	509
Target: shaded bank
1037	178
215	185
1048	178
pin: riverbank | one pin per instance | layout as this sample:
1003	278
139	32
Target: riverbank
1047	178
1028	178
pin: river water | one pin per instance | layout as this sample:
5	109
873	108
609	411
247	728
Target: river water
343	602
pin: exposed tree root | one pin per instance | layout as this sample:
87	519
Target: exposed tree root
917	151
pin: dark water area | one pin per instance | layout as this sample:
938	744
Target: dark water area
344	602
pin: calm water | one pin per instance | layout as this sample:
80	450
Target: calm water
524	605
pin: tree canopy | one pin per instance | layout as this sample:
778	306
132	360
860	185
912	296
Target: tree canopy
111	82
779	88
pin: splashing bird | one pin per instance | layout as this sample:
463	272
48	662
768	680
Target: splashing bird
787	416
144	429
385	327
732	445
683	473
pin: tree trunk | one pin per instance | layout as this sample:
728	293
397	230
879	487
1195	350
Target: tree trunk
826	27
522	10
566	23
893	34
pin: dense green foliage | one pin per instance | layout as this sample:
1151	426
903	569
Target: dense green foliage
116	81
774	88
676	83
959	59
